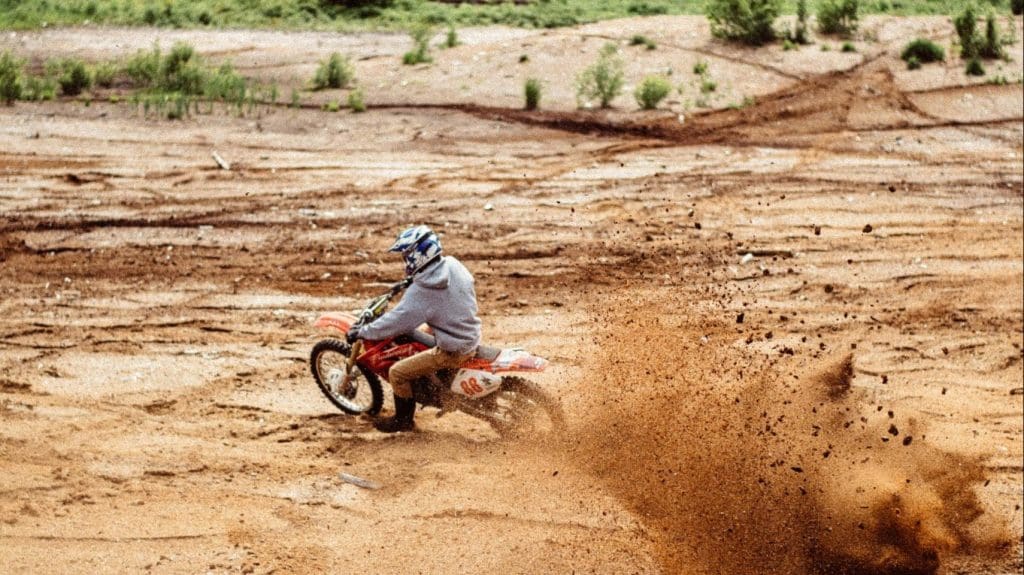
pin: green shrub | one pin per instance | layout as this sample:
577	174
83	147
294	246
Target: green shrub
849	47
924	51
532	91
708	85
334	72
181	71
104	74
143	69
974	68
700	68
72	76
451	39
747	21
838	16
788	45
966	28
37	89
10	78
641	40
331	106
913	63
652	90
603	80
798	35
225	85
992	47
355	101
420	54
1017	7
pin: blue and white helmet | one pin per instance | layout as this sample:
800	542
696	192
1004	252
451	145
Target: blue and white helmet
419	246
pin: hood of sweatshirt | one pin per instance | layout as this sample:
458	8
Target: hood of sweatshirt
435	276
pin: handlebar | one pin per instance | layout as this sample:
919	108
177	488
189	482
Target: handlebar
376	306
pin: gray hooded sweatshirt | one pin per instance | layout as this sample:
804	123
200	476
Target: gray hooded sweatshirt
441	296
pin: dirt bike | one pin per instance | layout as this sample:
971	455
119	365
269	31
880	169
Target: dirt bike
487	387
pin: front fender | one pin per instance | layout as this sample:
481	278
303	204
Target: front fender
340	322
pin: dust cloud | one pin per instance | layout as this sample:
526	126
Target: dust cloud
741	462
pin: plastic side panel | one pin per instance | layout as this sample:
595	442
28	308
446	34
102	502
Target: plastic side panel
336	321
474	384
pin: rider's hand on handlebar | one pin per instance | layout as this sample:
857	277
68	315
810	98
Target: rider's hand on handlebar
353	334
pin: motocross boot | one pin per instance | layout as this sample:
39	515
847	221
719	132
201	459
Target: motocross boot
405	409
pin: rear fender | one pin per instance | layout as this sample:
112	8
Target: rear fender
509	360
340	322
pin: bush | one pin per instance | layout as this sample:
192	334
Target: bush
747	21
451	39
974	68
532	91
603	80
798	35
652	91
355	101
334	72
72	76
10	78
707	86
838	16
143	69
641	40
181	71
700	68
37	89
420	54
993	45
849	47
1017	7
966	28
913	63
225	85
924	51
103	74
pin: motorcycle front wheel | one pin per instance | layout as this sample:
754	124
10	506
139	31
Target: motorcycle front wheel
362	394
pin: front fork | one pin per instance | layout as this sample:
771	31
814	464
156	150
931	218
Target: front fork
357	350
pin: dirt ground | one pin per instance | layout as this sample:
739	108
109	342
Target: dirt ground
156	408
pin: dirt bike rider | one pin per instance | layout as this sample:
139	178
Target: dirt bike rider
442	296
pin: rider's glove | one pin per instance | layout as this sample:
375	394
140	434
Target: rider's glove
353	334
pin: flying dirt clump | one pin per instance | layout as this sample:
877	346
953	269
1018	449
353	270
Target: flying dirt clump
737	465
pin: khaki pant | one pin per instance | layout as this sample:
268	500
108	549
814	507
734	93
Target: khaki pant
402	374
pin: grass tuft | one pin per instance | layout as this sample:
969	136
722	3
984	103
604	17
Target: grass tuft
532	90
334	72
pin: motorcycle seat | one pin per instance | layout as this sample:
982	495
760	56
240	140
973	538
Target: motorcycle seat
484	352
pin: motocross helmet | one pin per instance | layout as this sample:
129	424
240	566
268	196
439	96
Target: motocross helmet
419	247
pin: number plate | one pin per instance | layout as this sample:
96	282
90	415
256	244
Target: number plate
474	384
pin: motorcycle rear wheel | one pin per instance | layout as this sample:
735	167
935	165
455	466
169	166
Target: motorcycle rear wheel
363	395
522	409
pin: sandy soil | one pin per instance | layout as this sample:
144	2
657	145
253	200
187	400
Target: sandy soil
157	409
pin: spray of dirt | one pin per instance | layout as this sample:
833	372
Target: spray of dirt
740	464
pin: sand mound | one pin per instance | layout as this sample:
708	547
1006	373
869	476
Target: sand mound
739	465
